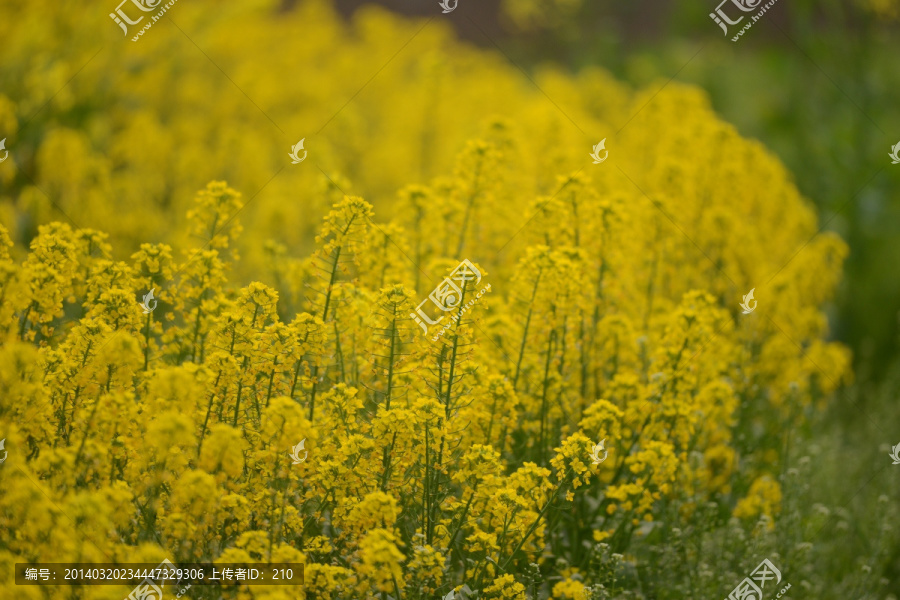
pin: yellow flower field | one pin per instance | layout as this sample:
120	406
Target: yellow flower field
286	296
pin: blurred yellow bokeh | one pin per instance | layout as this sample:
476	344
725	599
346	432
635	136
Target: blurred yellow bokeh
286	296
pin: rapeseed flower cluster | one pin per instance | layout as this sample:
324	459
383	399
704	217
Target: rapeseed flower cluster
613	314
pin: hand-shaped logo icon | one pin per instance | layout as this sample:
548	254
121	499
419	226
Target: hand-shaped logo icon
449	6
895	151
6	152
746	303
596	450
895	454
596	153
2	443
295	452
294	149
146	303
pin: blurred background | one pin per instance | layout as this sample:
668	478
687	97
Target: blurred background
815	82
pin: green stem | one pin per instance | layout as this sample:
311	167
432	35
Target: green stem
546	382
212	397
331	281
469	203
525	330
147	341
426	488
237	403
390	380
271	380
537	520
